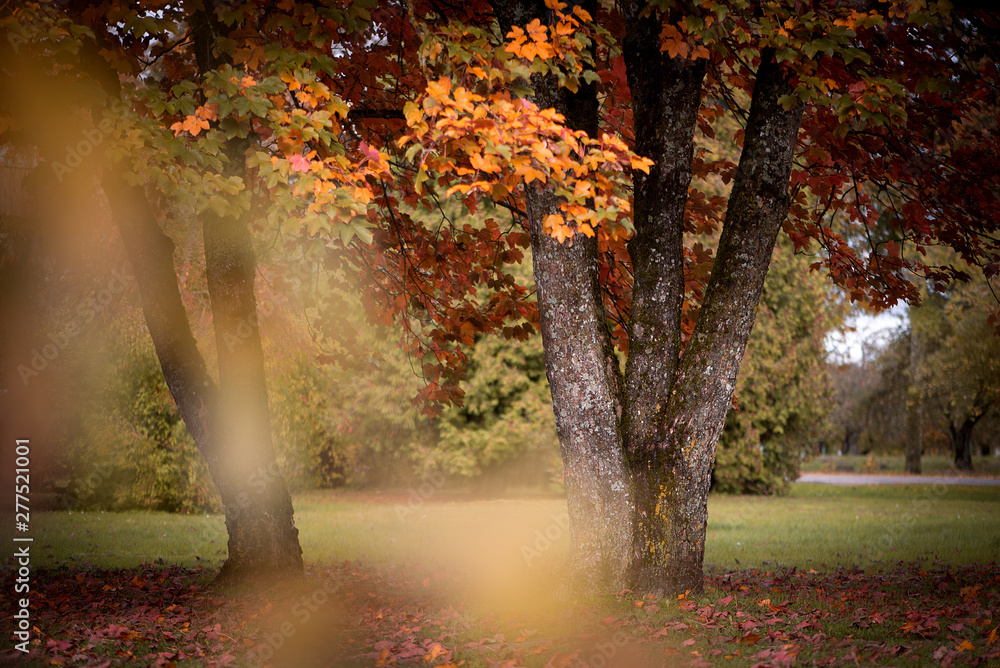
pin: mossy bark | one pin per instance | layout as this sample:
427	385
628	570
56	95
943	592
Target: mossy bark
666	94
672	440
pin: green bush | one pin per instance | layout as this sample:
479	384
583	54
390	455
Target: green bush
504	434
349	425
131	450
746	465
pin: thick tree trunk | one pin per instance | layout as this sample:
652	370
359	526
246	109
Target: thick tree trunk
688	425
580	362
914	409
960	438
262	535
666	95
583	375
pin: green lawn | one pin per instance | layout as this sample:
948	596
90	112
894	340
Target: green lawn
816	525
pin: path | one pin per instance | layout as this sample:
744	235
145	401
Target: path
859	479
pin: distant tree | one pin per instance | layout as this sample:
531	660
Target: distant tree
963	374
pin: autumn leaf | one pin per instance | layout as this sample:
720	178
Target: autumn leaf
299	163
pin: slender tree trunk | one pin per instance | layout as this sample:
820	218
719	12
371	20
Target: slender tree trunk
262	534
914	409
689	424
262	538
151	253
960	437
580	362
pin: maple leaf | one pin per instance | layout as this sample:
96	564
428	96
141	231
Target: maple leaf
299	163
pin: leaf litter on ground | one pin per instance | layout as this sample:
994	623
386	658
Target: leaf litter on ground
352	615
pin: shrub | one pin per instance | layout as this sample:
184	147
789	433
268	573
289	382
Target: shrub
132	451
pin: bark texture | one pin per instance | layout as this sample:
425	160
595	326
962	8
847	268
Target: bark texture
671	523
580	362
666	95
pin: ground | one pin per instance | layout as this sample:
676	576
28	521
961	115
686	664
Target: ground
900	576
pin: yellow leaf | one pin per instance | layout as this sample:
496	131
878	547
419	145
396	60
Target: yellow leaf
439	89
413	113
641	163
965	646
553	221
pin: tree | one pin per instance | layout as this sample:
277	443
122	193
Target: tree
963	373
231	427
582	122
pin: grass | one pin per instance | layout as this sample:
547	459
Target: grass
815	525
895	464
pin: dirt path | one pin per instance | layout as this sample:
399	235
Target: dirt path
863	479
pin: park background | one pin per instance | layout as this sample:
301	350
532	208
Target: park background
437	538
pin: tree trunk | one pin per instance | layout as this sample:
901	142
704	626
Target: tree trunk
851	438
262	535
914	409
262	538
960	438
151	253
686	428
666	95
580	362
